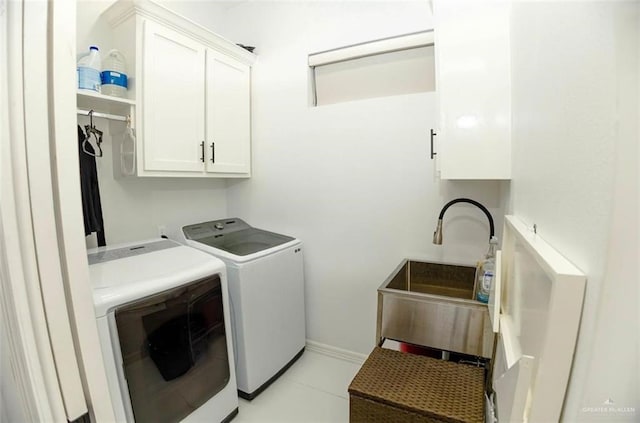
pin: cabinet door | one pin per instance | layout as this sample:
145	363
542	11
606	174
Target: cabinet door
473	84
173	98
228	115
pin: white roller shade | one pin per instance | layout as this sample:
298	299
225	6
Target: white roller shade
388	74
381	68
386	45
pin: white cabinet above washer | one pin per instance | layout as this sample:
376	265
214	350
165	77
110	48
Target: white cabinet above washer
228	114
193	91
173	100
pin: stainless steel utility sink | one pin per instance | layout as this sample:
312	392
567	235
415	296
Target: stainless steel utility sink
431	304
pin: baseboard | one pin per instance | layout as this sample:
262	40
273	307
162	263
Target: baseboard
336	352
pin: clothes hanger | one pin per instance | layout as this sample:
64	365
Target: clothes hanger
97	134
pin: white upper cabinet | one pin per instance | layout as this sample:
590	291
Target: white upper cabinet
228	114
172	100
193	91
473	84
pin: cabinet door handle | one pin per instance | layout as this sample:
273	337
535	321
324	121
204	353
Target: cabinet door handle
213	152
202	149
433	134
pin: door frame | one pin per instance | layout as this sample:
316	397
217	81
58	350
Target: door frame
48	320
29	361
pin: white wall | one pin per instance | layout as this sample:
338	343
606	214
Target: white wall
352	180
575	133
134	208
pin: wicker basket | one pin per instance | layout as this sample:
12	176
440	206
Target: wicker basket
393	386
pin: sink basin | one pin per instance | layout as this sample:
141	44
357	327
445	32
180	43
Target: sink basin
433	278
431	304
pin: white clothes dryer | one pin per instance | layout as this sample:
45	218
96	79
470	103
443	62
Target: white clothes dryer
164	323
266	287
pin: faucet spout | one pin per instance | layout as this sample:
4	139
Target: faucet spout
437	235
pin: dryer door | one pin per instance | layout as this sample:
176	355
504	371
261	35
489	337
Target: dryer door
174	350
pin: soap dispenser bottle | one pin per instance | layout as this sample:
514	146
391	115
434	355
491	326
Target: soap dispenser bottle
485	272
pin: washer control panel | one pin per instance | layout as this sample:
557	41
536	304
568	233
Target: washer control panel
214	228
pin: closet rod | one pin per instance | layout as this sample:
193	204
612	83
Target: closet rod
103	115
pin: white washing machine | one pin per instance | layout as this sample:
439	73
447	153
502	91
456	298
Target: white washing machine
164	323
266	286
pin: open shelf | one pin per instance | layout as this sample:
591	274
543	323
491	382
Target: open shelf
89	100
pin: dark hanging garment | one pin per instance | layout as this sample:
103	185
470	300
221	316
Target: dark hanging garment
91	207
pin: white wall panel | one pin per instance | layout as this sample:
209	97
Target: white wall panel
575	137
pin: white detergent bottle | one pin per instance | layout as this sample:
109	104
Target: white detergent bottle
485	272
114	74
88	70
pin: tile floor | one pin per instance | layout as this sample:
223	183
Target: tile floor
313	390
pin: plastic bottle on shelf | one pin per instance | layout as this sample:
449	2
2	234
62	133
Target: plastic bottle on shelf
114	75
88	70
485	272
